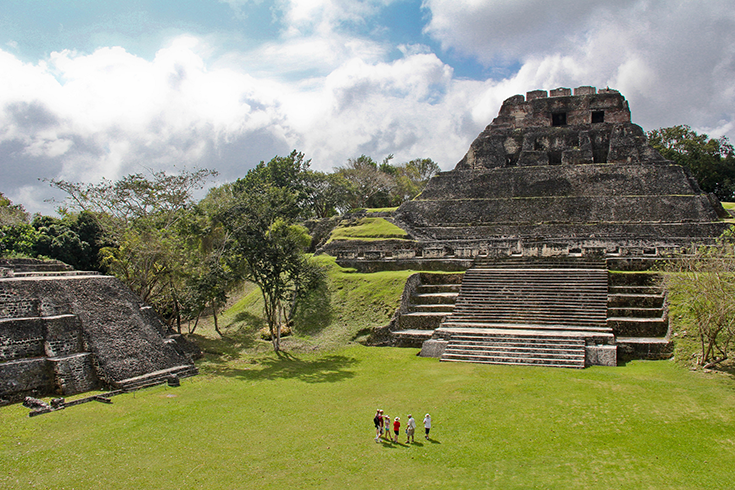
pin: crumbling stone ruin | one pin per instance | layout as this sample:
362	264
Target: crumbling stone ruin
64	332
556	192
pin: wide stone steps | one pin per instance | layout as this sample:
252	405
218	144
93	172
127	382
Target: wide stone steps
449	325
554	321
517	348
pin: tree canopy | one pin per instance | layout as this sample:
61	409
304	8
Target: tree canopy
711	160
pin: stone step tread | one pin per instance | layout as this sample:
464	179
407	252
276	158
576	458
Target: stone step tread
635	319
589	308
518	340
413	332
447	308
548	363
642	340
425	314
445	294
571	351
458	317
524	326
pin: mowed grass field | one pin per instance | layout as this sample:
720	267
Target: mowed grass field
305	421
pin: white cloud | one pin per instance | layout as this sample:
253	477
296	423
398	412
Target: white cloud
334	95
674	61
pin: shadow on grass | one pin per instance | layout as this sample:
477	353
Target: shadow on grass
228	346
328	369
255	322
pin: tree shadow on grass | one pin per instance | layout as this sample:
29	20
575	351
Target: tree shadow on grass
227	347
327	369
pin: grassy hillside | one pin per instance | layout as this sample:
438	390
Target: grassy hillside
305	421
367	229
345	310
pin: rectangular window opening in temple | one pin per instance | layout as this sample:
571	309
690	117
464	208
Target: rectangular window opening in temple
598	117
559	119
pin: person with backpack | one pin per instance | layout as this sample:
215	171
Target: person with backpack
378	420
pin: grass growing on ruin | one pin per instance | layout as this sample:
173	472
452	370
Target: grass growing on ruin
368	229
304	421
349	306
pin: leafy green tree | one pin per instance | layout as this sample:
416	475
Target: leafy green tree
11	214
711	160
269	246
76	239
143	217
372	186
327	194
18	240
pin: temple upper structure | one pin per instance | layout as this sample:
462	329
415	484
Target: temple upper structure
556	173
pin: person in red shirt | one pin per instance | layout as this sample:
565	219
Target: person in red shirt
396	428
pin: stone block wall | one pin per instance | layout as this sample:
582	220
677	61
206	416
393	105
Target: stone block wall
66	334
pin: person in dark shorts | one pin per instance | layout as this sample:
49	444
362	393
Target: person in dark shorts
396	428
378	420
427	425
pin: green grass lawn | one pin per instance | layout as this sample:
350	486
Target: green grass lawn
305	421
369	229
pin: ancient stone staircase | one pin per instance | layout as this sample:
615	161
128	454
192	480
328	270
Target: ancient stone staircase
637	314
429	302
516	346
526	311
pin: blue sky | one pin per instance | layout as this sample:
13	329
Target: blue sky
92	89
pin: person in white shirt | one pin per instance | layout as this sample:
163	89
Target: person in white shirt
427	425
410	428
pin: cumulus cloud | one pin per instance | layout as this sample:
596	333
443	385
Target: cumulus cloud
675	61
333	94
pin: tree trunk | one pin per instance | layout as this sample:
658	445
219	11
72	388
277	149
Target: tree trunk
214	314
196	322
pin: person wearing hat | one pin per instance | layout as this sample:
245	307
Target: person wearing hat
396	428
410	428
427	425
378	420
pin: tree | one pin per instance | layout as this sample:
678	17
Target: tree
711	160
19	239
372	186
702	287
272	248
76	239
11	214
143	217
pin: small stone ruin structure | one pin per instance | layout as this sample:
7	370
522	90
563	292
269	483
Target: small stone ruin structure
559	190
64	332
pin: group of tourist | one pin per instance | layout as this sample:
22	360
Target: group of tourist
383	427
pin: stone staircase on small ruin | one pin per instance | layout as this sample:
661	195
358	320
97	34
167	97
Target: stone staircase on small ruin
429	302
638	315
526	311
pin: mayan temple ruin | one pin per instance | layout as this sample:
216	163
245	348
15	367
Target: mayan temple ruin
64	332
558	193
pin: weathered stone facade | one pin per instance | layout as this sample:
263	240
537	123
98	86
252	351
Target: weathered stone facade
554	174
63	333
